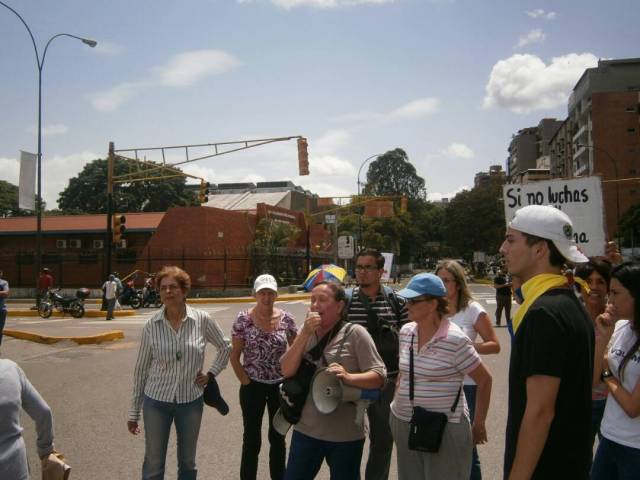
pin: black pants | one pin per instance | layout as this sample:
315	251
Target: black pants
503	302
380	437
253	399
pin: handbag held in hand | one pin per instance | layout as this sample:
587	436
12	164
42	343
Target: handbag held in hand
426	427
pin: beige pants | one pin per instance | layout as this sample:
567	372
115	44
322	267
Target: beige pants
452	462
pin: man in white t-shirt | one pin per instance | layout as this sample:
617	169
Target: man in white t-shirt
110	289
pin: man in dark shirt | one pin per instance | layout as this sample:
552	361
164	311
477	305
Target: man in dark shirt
377	307
551	365
502	284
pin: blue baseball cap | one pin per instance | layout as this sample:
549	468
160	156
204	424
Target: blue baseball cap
424	284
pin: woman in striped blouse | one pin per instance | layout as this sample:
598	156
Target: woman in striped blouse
442	356
168	382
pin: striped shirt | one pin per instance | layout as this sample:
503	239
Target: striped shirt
439	368
168	361
382	308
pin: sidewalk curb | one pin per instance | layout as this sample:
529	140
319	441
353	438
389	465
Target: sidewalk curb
47	339
87	313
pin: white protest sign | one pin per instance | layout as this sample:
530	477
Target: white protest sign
388	263
580	198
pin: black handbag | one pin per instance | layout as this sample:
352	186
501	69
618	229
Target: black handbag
426	427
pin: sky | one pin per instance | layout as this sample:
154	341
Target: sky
448	81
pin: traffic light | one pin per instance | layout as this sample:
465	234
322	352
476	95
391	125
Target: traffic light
204	192
303	157
118	227
403	204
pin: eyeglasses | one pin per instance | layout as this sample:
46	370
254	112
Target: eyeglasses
366	268
413	301
169	288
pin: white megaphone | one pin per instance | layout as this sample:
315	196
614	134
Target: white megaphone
328	392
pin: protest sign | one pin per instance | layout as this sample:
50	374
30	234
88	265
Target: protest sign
580	198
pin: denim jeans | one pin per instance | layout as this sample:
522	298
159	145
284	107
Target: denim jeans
380	438
254	397
470	395
158	417
615	462
306	455
3	318
503	302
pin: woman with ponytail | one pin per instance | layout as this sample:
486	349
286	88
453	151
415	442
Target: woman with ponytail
617	365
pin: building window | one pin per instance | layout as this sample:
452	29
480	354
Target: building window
25	258
630	109
88	258
631	130
632	171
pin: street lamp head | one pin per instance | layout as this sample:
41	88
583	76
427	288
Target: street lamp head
88	41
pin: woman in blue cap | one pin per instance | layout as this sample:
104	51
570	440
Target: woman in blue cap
435	355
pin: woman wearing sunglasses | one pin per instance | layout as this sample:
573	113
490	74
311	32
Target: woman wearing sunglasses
442	356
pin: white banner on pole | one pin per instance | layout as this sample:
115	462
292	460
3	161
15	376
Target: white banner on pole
580	198
27	185
388	264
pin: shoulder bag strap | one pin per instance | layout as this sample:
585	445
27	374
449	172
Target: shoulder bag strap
347	331
411	380
455	402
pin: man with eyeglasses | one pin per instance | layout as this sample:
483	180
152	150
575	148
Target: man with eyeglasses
382	313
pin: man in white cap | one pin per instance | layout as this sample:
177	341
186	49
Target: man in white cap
551	365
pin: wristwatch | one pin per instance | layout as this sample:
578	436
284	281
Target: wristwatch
606	373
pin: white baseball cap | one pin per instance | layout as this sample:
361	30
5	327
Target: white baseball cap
265	281
548	222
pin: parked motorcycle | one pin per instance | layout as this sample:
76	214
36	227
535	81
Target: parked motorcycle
54	300
132	299
152	299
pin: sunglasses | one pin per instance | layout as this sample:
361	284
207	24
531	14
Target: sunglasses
413	301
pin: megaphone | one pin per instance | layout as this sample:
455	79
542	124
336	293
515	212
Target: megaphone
328	392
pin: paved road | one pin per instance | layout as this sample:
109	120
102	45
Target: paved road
88	388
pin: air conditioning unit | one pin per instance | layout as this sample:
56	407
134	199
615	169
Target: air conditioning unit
98	244
75	243
61	244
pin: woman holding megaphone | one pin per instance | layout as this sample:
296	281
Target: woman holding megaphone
348	352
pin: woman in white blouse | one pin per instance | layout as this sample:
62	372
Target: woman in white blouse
617	365
168	382
471	317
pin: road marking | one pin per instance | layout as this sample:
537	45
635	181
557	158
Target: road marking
38	322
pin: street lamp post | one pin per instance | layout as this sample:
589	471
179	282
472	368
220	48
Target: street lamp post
615	170
40	65
360	216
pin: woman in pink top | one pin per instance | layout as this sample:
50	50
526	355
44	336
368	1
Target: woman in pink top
442	356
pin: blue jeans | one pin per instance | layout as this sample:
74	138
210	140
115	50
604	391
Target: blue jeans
470	395
615	462
3	318
158	417
306	455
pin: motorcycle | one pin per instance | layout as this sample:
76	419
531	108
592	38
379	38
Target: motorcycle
152	298
54	300
132	298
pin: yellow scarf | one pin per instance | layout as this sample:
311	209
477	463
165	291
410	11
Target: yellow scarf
537	286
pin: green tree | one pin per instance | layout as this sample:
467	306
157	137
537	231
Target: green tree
393	174
474	221
270	237
87	192
9	201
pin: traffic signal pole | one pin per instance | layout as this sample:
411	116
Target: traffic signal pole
108	238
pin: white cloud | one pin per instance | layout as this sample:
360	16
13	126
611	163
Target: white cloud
412	110
110	100
438	196
108	49
50	130
188	68
10	168
182	70
330	142
533	36
523	83
540	13
418	108
321	4
325	189
458	150
331	165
